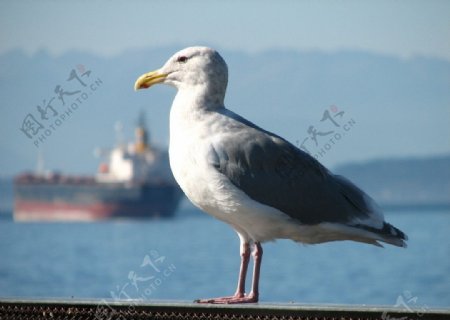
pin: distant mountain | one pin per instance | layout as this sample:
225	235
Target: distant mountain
399	106
403	182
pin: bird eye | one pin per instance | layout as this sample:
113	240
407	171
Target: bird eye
182	59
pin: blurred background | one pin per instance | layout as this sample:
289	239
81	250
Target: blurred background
362	86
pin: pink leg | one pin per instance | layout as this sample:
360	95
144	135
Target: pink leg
257	259
245	258
239	296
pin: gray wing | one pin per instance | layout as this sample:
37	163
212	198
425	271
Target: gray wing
274	172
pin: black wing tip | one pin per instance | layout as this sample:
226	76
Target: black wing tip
395	232
389	234
393	235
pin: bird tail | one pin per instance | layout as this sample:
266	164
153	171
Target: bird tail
370	223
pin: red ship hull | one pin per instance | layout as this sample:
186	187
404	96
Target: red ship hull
69	199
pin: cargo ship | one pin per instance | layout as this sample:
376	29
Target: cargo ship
134	182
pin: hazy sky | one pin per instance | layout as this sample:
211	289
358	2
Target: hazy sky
401	28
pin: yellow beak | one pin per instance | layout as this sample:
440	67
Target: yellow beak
148	79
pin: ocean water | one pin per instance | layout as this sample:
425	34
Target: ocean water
196	256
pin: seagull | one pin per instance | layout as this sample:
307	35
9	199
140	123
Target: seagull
254	180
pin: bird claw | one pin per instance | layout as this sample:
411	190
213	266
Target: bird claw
251	298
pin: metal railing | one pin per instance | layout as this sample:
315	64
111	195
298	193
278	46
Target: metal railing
112	310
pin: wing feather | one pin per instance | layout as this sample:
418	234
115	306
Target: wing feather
274	172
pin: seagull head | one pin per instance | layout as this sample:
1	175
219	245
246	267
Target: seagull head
192	68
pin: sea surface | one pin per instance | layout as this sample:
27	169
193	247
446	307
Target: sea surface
195	256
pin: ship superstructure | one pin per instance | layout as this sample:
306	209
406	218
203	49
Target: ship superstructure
135	181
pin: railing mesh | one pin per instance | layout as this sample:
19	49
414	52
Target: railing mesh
101	310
